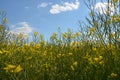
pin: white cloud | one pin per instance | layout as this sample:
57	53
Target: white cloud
26	7
55	9
22	27
102	7
43	4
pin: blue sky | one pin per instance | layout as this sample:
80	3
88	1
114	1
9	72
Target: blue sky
43	16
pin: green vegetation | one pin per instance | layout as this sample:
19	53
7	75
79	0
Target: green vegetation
92	53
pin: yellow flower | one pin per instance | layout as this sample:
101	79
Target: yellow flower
94	48
115	1
35	33
90	59
18	69
25	45
115	18
113	75
59	55
77	34
70	54
91	14
54	36
37	46
75	63
1	52
42	42
101	62
41	36
72	44
9	67
64	35
96	59
100	58
92	29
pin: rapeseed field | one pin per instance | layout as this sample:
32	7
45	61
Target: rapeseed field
91	53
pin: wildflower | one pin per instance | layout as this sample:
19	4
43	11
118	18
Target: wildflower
1	52
90	60
100	58
96	59
115	18
113	75
91	14
18	69
42	42
72	44
115	1
59	55
70	54
75	63
4	51
101	62
37	46
9	68
54	36
92	30
94	48
41	36
77	34
25	45
45	53
64	35
35	33
59	41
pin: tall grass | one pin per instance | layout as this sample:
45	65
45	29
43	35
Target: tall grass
92	54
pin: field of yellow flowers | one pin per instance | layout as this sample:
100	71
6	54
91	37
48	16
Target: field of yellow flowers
93	53
65	58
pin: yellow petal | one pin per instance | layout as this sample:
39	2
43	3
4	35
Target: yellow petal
1	52
11	66
18	69
115	1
